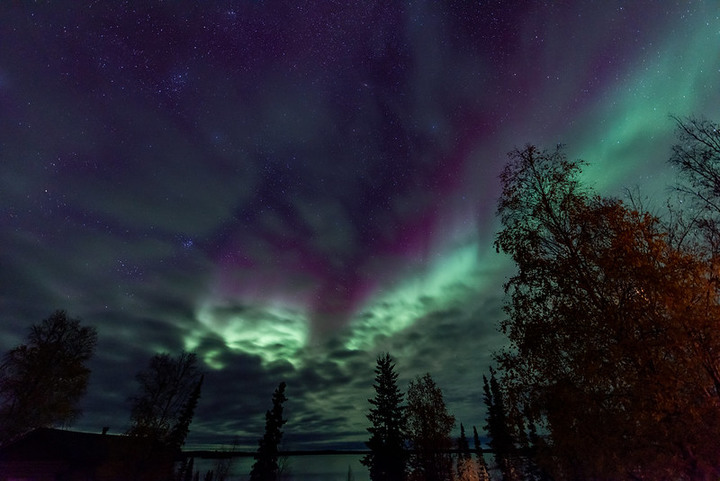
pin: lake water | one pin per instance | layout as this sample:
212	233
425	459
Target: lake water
315	467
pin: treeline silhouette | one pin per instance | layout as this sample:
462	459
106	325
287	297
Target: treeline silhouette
613	319
43	380
612	371
412	440
613	316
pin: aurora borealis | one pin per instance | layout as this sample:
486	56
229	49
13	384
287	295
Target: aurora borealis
290	188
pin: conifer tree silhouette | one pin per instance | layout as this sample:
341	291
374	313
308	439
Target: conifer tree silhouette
266	466
388	456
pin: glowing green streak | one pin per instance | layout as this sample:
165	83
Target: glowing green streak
270	332
632	128
397	309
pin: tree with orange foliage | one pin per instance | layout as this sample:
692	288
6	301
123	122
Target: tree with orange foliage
614	332
429	426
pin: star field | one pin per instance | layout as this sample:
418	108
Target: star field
291	188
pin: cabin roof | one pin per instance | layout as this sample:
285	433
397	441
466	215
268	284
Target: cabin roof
50	444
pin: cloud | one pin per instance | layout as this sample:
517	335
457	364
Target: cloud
273	333
290	199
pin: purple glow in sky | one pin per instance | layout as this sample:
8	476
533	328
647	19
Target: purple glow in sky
291	188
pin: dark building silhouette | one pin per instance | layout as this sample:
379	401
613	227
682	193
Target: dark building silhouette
52	454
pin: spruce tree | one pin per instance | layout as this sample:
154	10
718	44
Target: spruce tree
501	440
483	474
534	471
388	457
464	459
266	459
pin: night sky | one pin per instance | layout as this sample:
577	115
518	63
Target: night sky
290	188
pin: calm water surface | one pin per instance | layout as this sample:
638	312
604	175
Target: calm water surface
315	467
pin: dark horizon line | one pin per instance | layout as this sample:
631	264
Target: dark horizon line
219	454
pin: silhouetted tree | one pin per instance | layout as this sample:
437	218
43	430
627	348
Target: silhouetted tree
180	430
266	466
429	428
696	155
464	458
501	440
613	330
41	382
388	457
533	445
167	395
482	467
